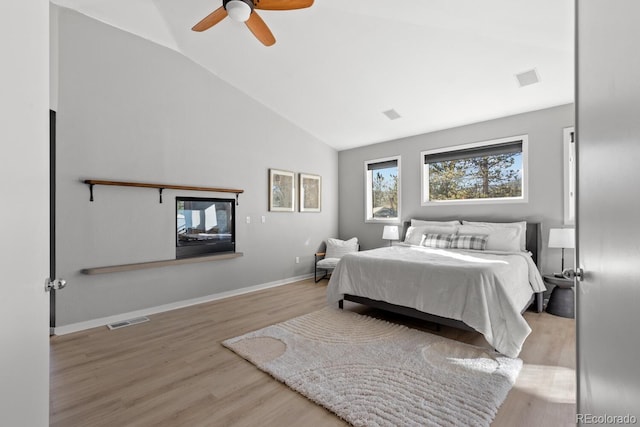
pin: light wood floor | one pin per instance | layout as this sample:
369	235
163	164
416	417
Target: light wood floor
172	371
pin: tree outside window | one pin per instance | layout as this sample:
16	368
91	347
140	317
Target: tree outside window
383	193
476	178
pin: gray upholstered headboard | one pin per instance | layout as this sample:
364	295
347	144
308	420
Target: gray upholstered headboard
532	243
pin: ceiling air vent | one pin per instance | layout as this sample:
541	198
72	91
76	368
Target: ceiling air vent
528	78
391	114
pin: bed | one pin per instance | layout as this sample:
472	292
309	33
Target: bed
481	290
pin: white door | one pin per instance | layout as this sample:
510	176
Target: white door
608	152
24	212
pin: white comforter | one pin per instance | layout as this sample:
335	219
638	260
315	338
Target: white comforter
486	290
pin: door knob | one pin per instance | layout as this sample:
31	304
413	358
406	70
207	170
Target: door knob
570	273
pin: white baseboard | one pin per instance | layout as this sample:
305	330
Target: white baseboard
103	321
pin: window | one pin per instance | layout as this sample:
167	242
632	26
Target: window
484	172
569	176
382	178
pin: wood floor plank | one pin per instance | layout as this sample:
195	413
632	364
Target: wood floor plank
173	371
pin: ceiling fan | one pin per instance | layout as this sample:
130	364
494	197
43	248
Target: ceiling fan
243	11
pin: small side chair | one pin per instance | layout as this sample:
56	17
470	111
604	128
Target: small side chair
326	262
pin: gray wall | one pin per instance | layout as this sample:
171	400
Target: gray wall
608	142
131	110
545	203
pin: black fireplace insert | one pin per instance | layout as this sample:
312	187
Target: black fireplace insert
204	226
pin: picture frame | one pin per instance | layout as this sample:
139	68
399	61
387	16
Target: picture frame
282	191
310	192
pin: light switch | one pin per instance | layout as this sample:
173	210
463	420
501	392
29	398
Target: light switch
248	220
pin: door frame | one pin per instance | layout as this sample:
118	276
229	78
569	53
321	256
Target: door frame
52	218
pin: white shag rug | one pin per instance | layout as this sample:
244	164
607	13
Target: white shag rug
374	373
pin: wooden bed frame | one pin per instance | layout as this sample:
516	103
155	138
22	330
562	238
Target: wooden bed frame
533	245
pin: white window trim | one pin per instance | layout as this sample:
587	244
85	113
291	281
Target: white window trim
502	200
368	186
569	159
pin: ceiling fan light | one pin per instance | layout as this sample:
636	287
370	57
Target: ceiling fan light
238	10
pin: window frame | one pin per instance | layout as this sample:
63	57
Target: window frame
368	191
424	175
569	170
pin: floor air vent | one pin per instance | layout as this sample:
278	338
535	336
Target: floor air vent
124	323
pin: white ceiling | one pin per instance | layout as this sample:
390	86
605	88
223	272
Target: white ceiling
338	65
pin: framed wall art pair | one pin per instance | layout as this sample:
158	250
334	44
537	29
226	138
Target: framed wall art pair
282	191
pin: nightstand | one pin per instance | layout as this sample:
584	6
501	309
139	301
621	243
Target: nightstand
561	302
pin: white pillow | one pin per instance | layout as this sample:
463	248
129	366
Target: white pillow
498	238
415	233
337	248
419	222
521	226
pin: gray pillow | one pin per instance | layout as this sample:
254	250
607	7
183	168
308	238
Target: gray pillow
442	241
469	241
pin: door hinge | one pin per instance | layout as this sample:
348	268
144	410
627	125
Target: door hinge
55	284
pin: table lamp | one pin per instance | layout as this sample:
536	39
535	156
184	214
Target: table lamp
390	232
563	238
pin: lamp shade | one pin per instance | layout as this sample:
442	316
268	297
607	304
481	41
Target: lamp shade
390	232
562	238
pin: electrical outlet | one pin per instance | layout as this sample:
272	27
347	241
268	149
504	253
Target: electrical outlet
248	220
264	219
297	260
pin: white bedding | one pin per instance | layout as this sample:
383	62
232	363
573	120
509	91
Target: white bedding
487	290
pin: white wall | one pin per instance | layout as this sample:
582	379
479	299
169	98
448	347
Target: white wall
545	203
131	110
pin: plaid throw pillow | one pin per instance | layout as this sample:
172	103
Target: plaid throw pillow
442	241
469	241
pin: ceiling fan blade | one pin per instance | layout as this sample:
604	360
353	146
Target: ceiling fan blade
260	29
210	20
281	4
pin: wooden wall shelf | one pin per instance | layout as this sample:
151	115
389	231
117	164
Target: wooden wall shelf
92	182
163	263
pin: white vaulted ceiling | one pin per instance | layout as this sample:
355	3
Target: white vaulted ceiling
338	65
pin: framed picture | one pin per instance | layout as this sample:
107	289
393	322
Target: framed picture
310	192
281	191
